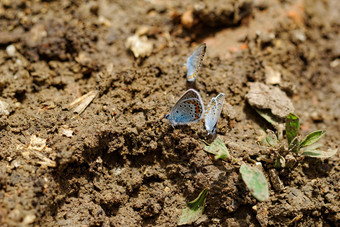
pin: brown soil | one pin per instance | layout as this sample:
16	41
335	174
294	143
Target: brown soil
119	163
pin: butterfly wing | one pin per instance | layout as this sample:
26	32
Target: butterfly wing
213	113
194	62
188	109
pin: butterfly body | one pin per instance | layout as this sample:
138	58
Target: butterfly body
188	109
213	113
194	62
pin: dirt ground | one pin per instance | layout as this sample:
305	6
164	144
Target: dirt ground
119	163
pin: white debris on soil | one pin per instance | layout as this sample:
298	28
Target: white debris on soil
272	76
139	45
83	58
299	35
37	148
29	219
263	96
82	102
4	108
65	131
335	63
11	50
104	21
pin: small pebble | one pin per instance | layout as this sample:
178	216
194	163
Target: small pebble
316	117
29	219
10	50
4	108
335	63
272	76
139	45
187	19
66	132
275	179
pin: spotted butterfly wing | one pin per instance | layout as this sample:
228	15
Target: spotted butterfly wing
213	113
194	62
188	109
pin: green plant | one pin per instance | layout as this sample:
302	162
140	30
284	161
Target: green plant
194	209
256	182
308	146
218	149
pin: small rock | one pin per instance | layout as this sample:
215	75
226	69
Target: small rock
275	179
143	30
265	97
66	132
139	45
29	219
11	50
37	143
298	35
17	105
15	164
265	38
4	108
18	62
187	19
272	76
335	63
104	21
317	117
83	58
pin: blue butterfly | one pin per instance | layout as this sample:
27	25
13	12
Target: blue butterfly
188	109
194	62
213	113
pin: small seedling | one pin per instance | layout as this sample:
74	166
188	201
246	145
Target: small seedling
305	147
194	209
255	181
218	149
308	146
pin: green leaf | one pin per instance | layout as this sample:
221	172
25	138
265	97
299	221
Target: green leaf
255	181
194	209
271	138
218	149
294	145
268	116
312	138
312	147
320	154
292	127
